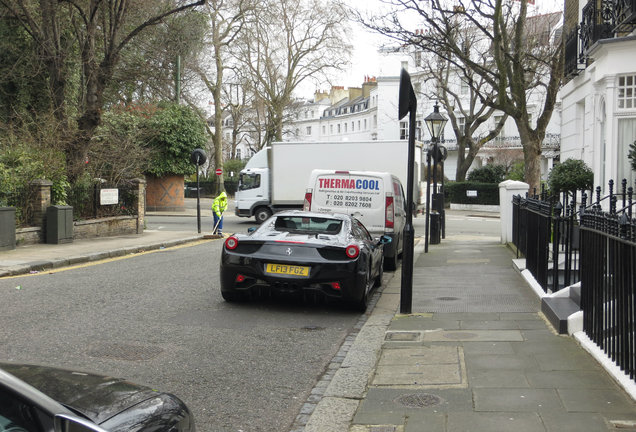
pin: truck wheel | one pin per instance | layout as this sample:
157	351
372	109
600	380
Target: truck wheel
262	214
391	263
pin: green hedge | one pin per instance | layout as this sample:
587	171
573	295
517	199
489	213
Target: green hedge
487	193
208	188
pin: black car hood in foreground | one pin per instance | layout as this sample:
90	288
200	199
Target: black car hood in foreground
101	398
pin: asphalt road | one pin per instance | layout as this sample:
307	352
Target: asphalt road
158	319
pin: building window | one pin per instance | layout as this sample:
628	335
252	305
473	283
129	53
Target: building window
345	127
352	128
463	88
238	153
627	92
324	130
308	130
626	136
375	120
338	127
404	130
331	129
312	114
365	124
306	114
358	125
418	58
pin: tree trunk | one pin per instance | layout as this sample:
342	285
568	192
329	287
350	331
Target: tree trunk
531	155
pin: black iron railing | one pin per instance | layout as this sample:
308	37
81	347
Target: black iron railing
608	283
545	232
565	242
572	53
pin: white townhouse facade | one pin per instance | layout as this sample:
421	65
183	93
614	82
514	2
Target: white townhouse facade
364	113
599	94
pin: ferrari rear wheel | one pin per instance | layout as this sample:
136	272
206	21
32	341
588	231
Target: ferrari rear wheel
378	280
361	304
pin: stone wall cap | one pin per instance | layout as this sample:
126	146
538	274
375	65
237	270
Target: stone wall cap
41	182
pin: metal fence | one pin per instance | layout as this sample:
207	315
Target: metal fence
565	242
88	200
546	232
608	259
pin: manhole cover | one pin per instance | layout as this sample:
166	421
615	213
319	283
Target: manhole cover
401	336
459	335
125	352
419	400
448	298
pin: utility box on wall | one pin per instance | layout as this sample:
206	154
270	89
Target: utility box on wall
7	228
59	224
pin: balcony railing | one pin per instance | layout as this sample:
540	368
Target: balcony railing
574	62
606	19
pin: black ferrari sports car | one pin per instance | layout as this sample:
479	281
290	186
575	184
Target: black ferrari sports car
297	251
44	399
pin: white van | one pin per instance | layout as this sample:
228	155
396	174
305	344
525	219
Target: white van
374	198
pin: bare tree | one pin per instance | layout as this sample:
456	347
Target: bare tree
524	56
289	42
227	20
103	28
468	107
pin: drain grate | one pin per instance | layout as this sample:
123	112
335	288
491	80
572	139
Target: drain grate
125	352
382	428
402	336
310	328
419	400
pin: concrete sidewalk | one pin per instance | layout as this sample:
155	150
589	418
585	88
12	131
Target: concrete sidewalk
475	355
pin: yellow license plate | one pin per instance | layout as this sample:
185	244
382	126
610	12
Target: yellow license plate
287	270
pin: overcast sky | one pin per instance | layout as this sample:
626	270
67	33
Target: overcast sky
365	60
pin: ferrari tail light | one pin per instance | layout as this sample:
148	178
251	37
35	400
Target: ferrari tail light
352	251
336	286
240	278
307	202
389	215
231	243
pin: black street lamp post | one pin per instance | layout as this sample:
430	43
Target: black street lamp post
435	123
408	104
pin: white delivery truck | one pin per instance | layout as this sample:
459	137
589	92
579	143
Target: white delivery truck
276	177
374	198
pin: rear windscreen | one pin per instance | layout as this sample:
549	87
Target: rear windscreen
308	225
346	191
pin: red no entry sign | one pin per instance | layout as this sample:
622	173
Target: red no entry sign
218	171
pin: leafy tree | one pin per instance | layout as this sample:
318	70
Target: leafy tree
516	172
233	165
488	174
174	132
101	31
570	176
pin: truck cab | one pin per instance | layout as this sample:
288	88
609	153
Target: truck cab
252	196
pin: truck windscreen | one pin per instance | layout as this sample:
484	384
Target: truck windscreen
249	181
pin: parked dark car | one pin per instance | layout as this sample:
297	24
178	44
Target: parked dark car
44	399
296	251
